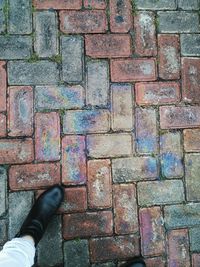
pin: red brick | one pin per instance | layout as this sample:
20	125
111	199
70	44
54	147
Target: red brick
73	160
2	125
3	85
108	45
16	151
20	111
195	260
178	248
99	184
192	140
47	136
120	16
169	56
95	4
145	34
75	200
157	93
152	231
55	4
114	248
155	262
125	209
87	224
179	117
130	70
87	21
34	176
191	80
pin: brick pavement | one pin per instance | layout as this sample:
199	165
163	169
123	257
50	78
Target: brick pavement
103	97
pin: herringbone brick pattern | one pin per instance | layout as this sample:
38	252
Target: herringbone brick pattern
103	97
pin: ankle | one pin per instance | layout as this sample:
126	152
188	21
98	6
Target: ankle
29	238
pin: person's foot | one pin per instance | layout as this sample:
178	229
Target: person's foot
42	211
136	262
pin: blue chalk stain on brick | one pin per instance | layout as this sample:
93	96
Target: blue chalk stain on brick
146	144
151	165
171	165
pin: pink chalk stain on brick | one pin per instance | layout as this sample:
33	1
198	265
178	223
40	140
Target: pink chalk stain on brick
2	125
3	85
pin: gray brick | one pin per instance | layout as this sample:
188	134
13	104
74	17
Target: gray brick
160	192
3	232
46	39
20	17
190	44
20	204
178	22
72	58
156	4
134	169
76	253
15	47
3	190
2	16
97	83
194	234
192	164
37	73
51	245
188	4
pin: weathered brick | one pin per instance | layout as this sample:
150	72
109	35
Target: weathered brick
130	70
156	5
192	163
178	22
47	136
73	160
160	192
59	97
179	117
20	204
152	262
86	121
145	34
2	125
188	4
54	4
15	47
120	15
146	131
194	234
99	184
125	209
38	73
171	155
87	21
20	17
76	253
87	224
34	176
192	140
169	56
72	58
122	107
95	4
3	190
108	45
2	16
111	248
157	93
109	145
134	169
152	231
16	151
190	44
46	41
3	232
180	216
3	85
75	200
53	239
195	260
178	248
191	80
20	111
97	83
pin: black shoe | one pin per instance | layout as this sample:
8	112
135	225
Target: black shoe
136	262
42	211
